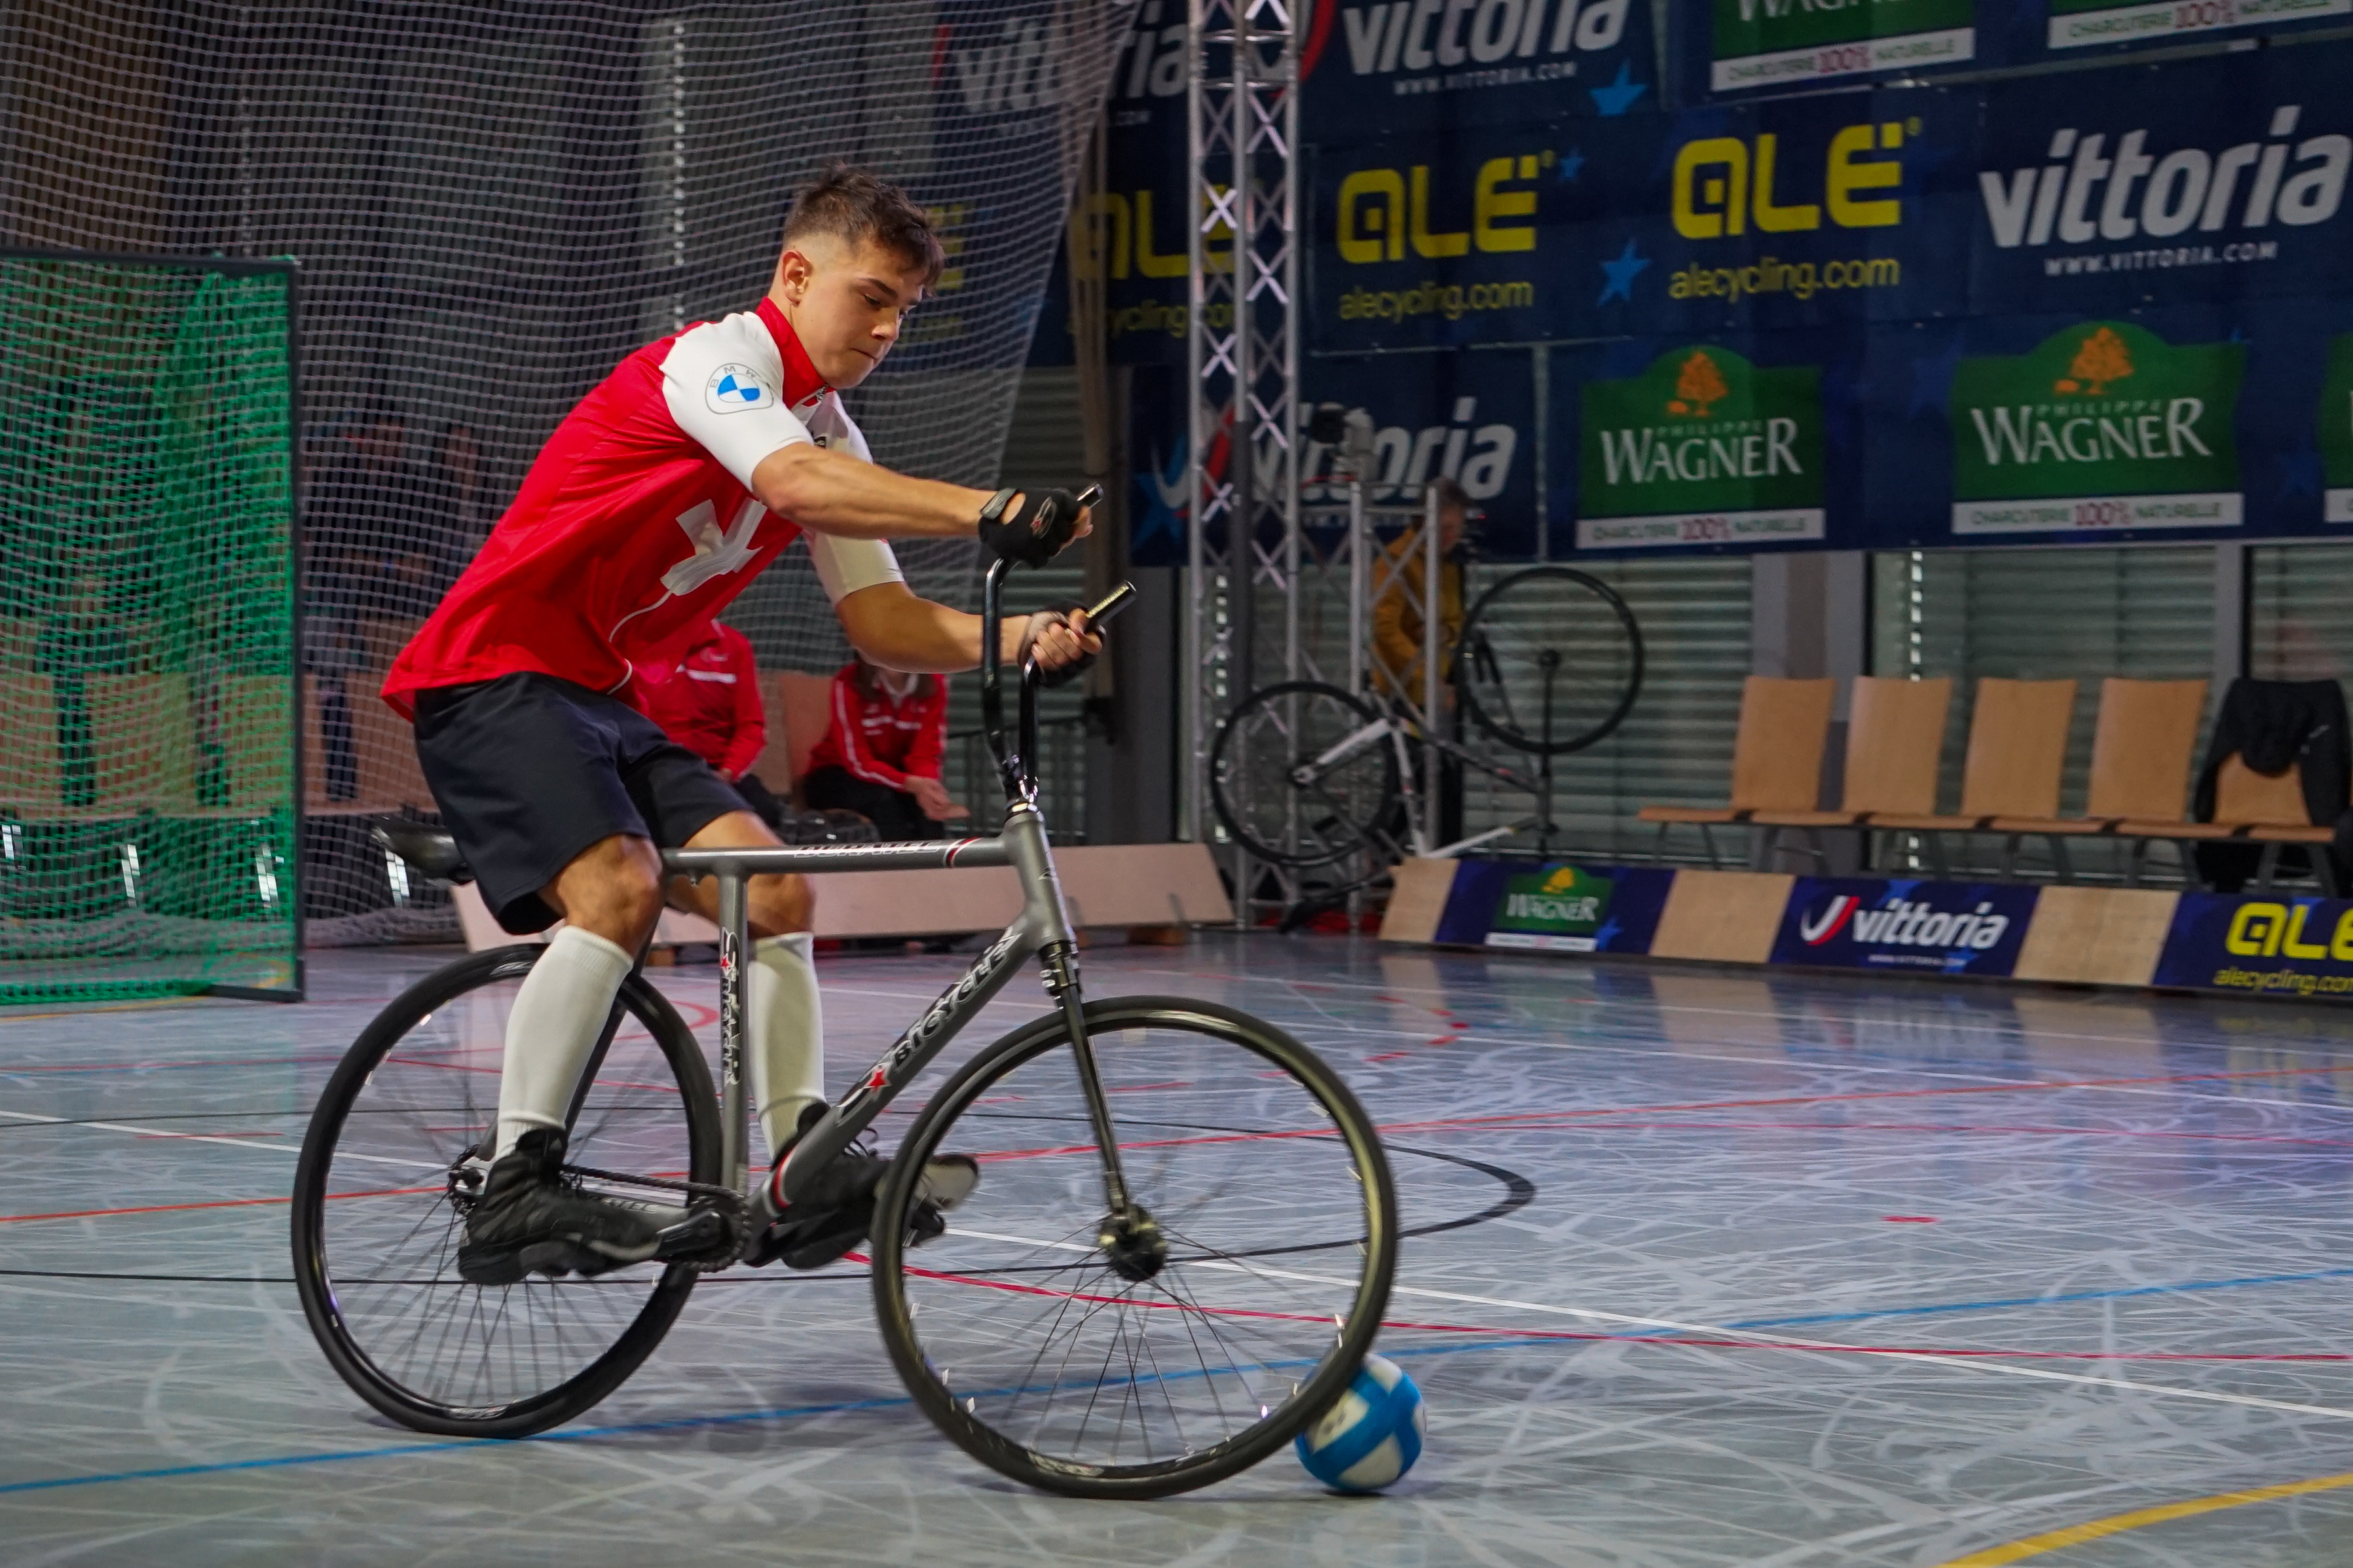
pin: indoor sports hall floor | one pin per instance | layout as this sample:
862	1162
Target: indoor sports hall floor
1799	1272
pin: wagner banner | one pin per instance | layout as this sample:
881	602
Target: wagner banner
2284	946
1554	906
1762	46
2102	427
1704	447
2335	430
1945	928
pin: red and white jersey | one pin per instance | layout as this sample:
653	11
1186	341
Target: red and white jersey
703	688
882	739
637	520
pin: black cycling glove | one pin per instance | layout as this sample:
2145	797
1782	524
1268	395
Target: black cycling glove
1055	616
1033	532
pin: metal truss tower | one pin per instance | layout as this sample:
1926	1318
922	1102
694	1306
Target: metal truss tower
1241	614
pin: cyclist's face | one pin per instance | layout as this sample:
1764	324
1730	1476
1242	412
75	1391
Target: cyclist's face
848	303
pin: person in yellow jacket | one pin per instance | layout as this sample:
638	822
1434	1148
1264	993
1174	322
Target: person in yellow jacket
1398	627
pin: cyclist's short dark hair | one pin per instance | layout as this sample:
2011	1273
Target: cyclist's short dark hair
855	204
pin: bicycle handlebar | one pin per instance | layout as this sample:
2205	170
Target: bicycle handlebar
1017	766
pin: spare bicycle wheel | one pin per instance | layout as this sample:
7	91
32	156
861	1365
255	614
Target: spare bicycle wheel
1550	661
1303	775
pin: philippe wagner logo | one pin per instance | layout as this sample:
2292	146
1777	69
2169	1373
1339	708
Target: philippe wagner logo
1561	910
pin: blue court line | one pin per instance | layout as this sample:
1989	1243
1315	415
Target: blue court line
1991	1306
680	1423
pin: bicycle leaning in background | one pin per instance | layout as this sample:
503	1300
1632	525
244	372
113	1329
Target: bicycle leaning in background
1177	1257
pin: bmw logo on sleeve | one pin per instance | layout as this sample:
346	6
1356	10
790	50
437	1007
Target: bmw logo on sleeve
735	387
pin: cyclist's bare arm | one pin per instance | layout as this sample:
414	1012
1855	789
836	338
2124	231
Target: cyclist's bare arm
890	626
837	493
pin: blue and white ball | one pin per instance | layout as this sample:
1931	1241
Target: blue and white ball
1372	1437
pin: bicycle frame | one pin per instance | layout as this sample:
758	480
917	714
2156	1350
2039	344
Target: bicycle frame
1042	931
1398	734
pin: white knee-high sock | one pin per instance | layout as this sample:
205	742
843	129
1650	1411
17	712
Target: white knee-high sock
558	1013
786	1030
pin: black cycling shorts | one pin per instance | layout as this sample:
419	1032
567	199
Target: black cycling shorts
528	770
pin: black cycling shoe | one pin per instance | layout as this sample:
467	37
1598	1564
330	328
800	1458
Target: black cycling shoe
529	1220
834	1216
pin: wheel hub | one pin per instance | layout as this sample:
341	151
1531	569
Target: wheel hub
1132	1243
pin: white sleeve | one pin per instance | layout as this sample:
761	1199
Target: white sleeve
846	565
728	397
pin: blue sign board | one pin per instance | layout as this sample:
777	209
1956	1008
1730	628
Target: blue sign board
1534	906
2274	946
1940	928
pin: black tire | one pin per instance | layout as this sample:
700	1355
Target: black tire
368	1285
1306	1171
1357	807
1579	624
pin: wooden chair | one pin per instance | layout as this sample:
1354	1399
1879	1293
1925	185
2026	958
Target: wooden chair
2251	808
29	773
1777	759
1895	740
2017	752
2140	769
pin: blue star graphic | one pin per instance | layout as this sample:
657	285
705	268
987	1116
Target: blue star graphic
1621	273
1570	162
1620	95
2300	472
1931	380
1606	934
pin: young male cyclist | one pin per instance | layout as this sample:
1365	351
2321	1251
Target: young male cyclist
654	504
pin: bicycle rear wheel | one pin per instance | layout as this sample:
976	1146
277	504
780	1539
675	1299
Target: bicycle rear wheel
391	1164
1059	1357
1284	804
1551	661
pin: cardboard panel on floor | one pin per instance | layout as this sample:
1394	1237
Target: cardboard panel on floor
2096	936
1102	885
1729	917
1418	895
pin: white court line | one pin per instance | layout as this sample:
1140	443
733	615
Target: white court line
213	1138
1972	1363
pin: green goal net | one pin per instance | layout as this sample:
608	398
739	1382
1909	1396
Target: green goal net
148	825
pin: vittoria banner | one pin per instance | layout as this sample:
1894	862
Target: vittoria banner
1554	906
1945	927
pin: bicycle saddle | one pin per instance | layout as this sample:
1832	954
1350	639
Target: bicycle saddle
427	848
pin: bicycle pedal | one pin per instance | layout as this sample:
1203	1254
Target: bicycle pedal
701	1235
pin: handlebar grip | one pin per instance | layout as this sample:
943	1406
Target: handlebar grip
1111	604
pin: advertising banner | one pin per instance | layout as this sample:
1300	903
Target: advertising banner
1755	46
2335	430
2104	426
1944	928
2081	25
2201	182
1375	67
1470	417
1554	906
1702	448
2297	947
1813	213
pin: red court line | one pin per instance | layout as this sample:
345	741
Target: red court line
215	1204
1995	1127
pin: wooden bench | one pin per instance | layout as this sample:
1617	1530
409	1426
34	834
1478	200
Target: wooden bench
1777	759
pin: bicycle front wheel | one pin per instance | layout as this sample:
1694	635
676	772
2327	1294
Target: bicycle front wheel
391	1165
1085	1364
1304	774
1551	661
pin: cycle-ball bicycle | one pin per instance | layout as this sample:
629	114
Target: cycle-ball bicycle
1178	1256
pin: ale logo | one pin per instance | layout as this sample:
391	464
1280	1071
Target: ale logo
1559	908
2336	428
1651	472
2103	426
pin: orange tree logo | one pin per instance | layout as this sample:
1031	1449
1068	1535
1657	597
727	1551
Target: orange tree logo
1698	386
2103	358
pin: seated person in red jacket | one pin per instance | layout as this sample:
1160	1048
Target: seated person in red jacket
704	690
881	758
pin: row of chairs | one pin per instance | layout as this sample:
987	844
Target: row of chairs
2138	794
